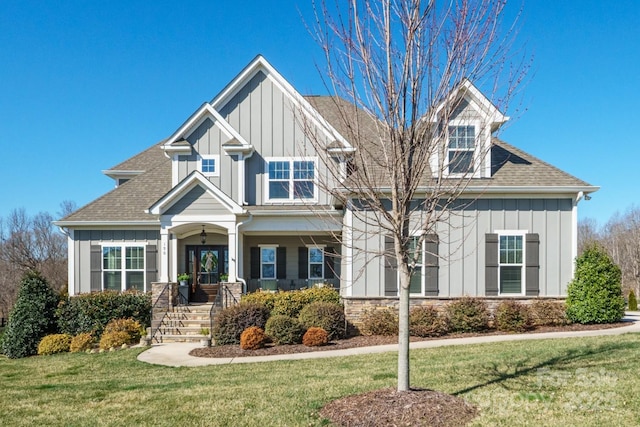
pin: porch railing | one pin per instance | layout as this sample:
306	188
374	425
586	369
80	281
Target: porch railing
289	284
161	303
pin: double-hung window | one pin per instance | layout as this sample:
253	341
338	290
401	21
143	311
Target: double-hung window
267	262
291	179
461	148
209	164
511	264
316	263
123	268
415	258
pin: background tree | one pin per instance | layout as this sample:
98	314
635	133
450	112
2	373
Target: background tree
394	62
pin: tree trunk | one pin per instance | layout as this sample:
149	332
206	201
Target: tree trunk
403	331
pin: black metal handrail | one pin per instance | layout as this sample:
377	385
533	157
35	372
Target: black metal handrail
162	293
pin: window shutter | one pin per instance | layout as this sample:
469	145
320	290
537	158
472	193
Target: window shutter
254	261
96	268
303	263
329	258
431	262
532	266
491	265
281	263
390	268
151	260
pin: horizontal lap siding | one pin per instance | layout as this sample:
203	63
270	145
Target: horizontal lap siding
197	202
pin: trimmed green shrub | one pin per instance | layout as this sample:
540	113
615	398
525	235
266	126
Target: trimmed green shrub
252	338
81	342
232	321
91	312
315	337
284	330
382	321
290	303
548	313
633	302
261	297
325	315
32	317
322	293
595	293
114	339
54	343
129	326
468	314
426	321
512	316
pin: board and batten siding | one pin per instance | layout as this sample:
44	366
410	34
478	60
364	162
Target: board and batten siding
84	239
268	120
461	236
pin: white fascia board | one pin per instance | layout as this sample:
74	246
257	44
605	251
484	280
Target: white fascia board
120	224
503	190
196	178
259	63
301	213
480	102
114	173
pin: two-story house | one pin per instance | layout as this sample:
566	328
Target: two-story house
233	195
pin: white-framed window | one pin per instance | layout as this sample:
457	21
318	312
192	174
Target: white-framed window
123	267
511	256
291	179
209	164
316	262
416	255
461	149
267	262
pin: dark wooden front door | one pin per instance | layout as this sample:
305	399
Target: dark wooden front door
206	264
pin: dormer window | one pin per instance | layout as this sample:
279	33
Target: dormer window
209	165
461	149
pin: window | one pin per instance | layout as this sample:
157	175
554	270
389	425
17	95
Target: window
291	179
511	263
316	263
267	262
461	149
415	255
209	165
120	272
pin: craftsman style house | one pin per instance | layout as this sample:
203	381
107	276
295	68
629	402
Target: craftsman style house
233	196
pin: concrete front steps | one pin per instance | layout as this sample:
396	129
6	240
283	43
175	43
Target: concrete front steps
184	323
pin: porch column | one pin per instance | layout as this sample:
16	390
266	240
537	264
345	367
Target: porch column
164	255
233	254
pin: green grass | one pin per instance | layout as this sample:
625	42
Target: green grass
571	382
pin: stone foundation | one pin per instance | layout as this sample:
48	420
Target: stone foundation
235	288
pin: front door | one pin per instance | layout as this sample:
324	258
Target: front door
206	265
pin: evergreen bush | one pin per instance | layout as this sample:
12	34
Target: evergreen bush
548	313
595	293
32	317
232	321
512	316
633	302
114	339
325	315
54	344
468	314
81	342
284	330
382	321
252	338
315	337
129	326
427	321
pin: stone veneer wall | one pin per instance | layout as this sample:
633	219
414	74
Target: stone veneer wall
236	291
355	307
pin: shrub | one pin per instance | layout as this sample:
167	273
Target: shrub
380	322
290	303
252	338
114	339
633	302
322	293
129	326
426	321
81	342
595	293
315	337
284	330
92	312
326	315
53	344
260	297
232	321
548	313
32	317
512	316
468	314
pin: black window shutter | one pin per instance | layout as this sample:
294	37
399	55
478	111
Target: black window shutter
491	264
390	268
431	263
329	259
151	258
96	268
254	262
303	263
532	265
281	263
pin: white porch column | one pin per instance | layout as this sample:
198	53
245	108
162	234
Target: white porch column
164	255
174	257
233	253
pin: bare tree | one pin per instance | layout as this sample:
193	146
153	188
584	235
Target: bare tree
621	238
396	66
587	233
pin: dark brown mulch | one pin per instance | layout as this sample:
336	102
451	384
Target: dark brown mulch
388	407
367	341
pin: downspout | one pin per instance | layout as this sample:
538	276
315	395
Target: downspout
238	278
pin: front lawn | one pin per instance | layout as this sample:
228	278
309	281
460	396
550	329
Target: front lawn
571	382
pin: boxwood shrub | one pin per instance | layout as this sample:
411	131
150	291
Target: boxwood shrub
381	321
468	314
325	315
230	322
54	343
284	330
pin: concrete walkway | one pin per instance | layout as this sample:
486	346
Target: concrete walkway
177	354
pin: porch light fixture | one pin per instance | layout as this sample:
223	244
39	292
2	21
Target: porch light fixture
203	236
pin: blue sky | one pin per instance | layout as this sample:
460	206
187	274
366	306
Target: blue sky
84	85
